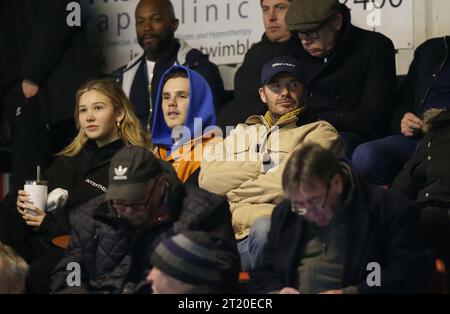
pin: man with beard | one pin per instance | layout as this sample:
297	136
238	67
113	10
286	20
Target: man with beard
155	29
246	166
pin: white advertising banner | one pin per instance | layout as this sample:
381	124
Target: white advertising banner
393	18
224	29
110	32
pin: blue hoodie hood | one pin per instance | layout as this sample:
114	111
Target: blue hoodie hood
201	105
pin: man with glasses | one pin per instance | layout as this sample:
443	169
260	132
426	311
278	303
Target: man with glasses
350	71
246	167
336	234
112	241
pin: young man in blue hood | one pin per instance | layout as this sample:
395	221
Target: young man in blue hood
184	109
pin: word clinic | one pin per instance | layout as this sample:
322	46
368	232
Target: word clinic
210	12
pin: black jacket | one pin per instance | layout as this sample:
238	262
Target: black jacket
84	176
247	81
354	87
383	228
114	258
139	92
429	60
426	176
38	45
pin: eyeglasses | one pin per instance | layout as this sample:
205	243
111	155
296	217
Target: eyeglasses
278	87
122	206
316	203
313	34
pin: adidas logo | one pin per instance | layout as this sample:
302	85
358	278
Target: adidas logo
120	173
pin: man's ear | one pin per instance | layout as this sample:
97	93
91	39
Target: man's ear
337	179
337	22
175	24
262	94
163	185
161	182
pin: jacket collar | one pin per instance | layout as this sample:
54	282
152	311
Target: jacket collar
257	119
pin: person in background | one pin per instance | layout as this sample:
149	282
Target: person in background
425	179
43	62
427	86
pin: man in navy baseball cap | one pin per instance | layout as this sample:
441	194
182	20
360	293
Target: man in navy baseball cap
282	87
269	139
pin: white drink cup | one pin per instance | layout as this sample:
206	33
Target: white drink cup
37	191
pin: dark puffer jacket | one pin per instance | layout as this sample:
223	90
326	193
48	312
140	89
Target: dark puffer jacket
426	176
114	258
353	89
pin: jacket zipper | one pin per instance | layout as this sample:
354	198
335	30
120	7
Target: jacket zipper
150	107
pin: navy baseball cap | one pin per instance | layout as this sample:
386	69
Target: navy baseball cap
281	65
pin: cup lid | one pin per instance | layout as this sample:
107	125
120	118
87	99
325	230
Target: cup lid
35	182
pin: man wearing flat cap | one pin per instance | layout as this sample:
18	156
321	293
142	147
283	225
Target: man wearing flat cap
112	240
246	167
350	71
